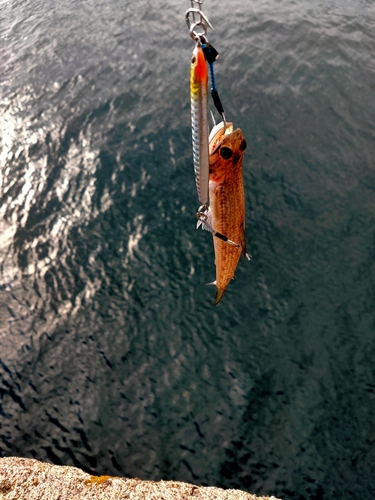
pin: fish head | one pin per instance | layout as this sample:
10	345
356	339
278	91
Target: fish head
227	156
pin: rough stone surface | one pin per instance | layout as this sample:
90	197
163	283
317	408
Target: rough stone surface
27	479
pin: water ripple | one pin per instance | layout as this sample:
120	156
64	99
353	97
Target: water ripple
112	357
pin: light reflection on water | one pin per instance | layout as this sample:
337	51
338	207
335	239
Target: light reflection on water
112	357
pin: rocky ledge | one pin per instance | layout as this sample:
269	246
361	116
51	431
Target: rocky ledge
27	479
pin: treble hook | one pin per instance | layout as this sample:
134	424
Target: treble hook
203	220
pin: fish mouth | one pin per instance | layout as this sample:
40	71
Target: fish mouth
217	135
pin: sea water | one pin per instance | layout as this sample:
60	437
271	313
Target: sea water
112	356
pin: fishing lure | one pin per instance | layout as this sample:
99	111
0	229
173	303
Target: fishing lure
198	98
204	54
199	121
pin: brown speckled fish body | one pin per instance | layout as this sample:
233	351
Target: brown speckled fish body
227	205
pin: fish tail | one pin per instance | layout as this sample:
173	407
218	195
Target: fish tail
219	296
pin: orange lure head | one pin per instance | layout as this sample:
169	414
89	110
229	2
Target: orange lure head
198	69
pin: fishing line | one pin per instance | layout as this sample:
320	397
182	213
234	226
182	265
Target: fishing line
211	55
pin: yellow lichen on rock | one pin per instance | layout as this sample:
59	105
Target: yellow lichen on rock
97	480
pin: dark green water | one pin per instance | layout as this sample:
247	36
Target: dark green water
112	355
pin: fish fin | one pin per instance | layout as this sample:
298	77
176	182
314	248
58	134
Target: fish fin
212	283
218	296
248	256
243	242
200	223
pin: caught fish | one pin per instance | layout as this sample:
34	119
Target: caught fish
227	202
199	121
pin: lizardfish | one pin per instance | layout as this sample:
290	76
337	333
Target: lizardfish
227	202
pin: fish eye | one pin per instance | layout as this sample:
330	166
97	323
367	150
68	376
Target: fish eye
192	59
243	145
226	153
